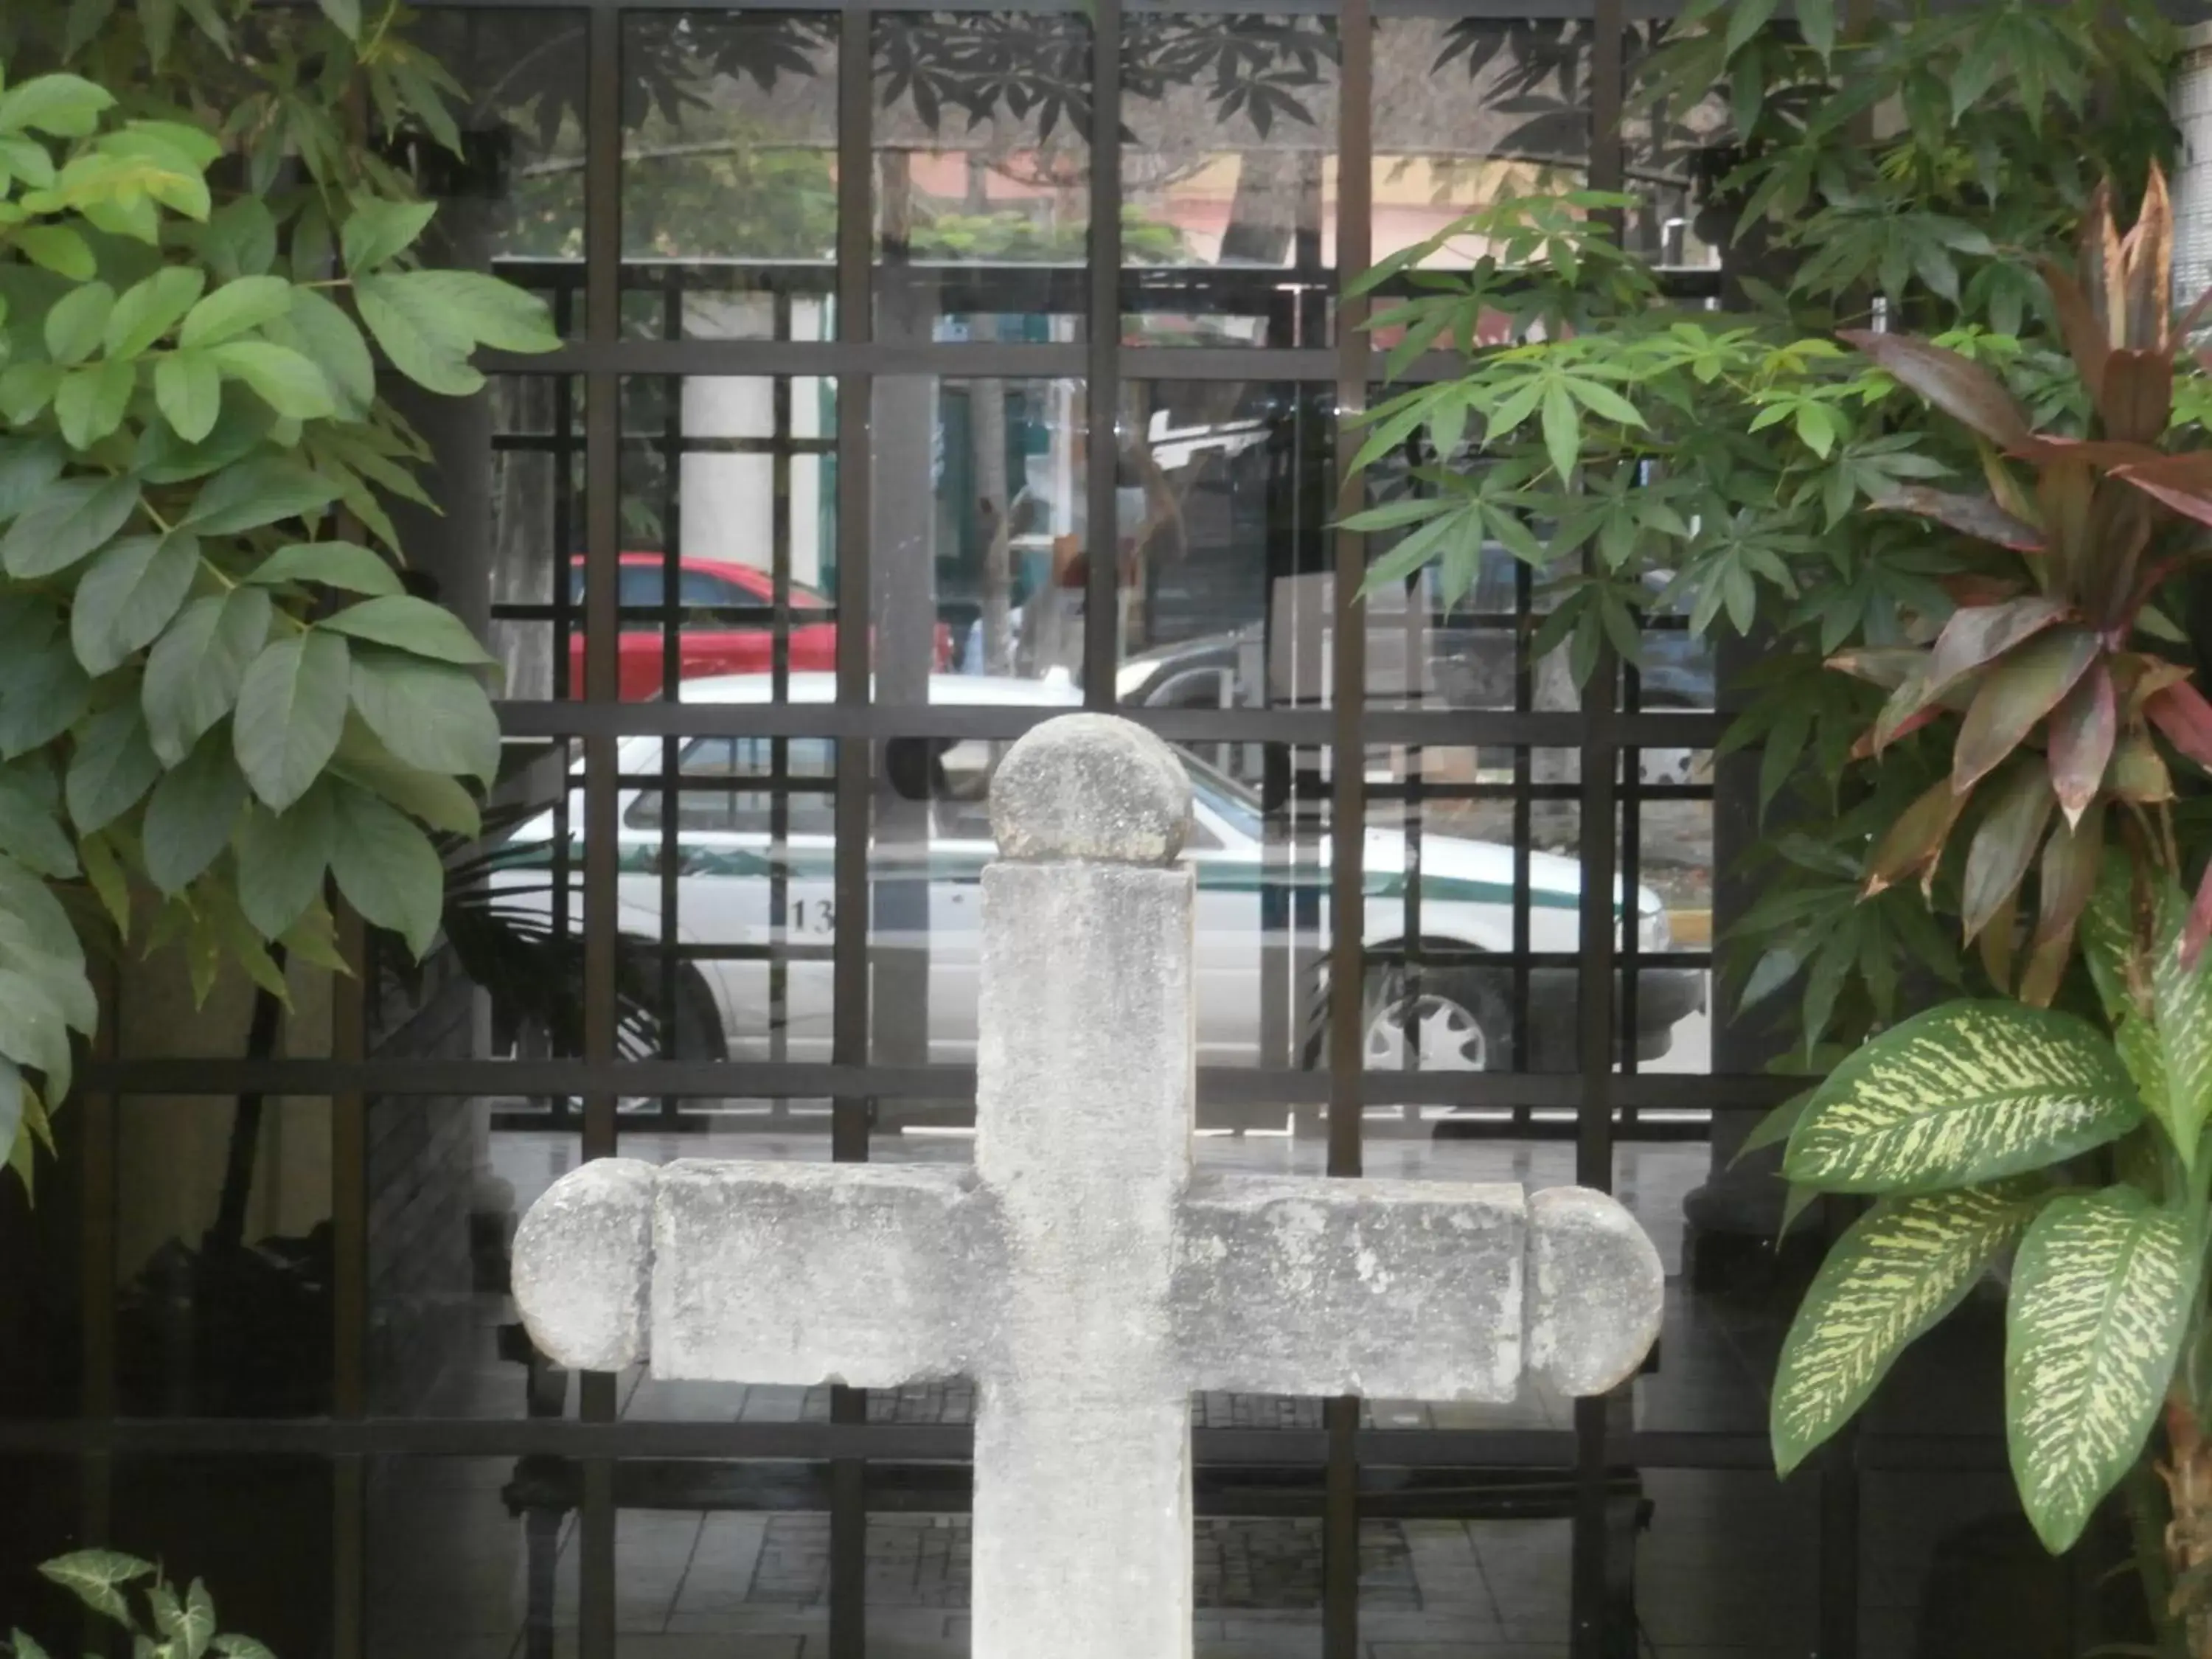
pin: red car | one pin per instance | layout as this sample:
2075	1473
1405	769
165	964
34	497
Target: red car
733	631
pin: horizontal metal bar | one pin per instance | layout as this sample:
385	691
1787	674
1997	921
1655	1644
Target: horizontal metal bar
1427	728
1222	1085
928	1443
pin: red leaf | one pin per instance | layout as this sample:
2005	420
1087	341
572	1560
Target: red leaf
1985	633
2003	846
1978	588
2199	928
1913	844
2070	862
1979	516
2181	714
2147	266
2087	340
1873	740
1887	666
2016	694
2112	456
2082	731
1960	387
2136	403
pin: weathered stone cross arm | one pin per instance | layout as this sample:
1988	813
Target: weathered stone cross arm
1082	1274
877	1276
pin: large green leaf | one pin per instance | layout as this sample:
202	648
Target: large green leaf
128	596
412	625
96	1577
345	565
291	708
430	714
262	492
192	811
195	670
435	799
112	767
43	694
76	321
288	382
281	859
236	308
1964	1093
29	828
188	391
68	521
11	1109
65	106
327	336
1899	1269
150	308
92	400
423	342
387	869
2181	1012
378	231
2102	1292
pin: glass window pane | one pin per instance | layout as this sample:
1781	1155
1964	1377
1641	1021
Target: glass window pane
982	175
729	189
1229	179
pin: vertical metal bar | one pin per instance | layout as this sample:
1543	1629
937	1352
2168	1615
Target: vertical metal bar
1347	780
349	1309
1594	1130
849	1114
96	1176
1101	596
603	139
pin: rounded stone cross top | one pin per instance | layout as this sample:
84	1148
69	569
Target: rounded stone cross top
1090	786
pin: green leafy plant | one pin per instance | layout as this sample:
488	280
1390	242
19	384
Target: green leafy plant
216	694
174	1624
1984	1128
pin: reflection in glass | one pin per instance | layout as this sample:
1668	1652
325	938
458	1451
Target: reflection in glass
729	562
1229	173
1469	111
223	1263
472	1556
982	174
1227	491
977	558
515	194
729	191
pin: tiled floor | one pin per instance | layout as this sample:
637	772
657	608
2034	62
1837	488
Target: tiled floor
1724	1563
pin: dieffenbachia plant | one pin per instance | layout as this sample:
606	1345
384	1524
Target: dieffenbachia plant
1984	1129
175	1623
213	689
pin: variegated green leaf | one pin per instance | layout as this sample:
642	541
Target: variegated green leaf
1967	1093
2101	1295
2181	1008
1902	1266
96	1577
2108	934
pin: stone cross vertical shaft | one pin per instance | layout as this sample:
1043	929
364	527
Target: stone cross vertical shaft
1084	1274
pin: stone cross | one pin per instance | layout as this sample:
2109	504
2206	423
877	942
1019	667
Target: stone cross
1082	1274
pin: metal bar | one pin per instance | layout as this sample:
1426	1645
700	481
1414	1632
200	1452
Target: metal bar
851	1108
1101	597
1748	1091
1347	799
349	1389
1590	1638
1291	727
603	136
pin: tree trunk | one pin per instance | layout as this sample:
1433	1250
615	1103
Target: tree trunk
2187	1472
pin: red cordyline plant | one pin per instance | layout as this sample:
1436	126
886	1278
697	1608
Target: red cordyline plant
2042	657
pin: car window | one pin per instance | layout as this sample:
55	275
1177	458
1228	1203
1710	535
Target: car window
641	585
729	785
